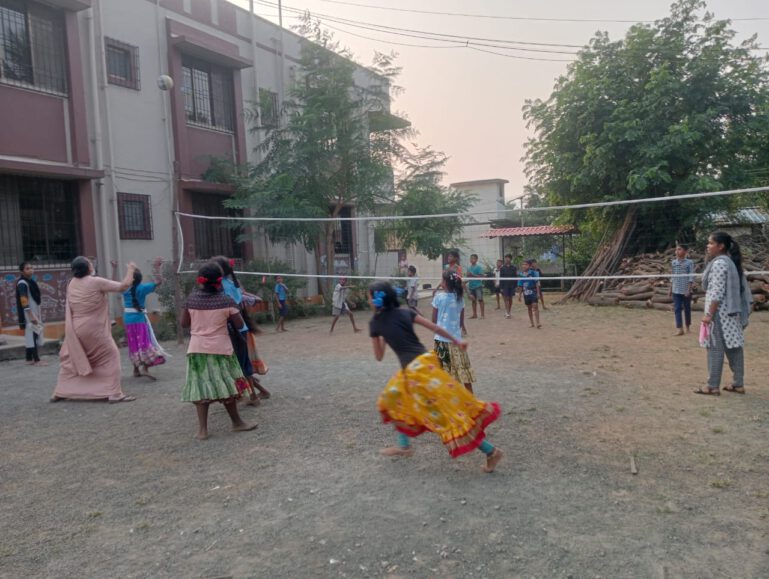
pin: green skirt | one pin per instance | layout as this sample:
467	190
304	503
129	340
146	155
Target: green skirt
212	377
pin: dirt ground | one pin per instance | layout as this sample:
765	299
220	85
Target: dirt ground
95	490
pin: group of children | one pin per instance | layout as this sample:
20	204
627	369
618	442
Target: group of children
432	391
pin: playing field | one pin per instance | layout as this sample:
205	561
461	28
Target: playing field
95	490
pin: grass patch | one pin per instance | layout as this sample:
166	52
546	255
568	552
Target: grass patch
718	430
94	514
720	484
620	409
705	412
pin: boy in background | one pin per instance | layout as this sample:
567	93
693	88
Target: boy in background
475	285
339	304
281	295
681	288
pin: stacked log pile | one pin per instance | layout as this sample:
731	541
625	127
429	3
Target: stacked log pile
654	292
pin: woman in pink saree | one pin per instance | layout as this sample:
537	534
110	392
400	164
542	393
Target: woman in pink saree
90	361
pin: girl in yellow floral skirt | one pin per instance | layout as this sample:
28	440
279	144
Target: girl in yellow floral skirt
421	397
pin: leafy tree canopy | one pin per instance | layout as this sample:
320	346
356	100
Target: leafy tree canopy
675	107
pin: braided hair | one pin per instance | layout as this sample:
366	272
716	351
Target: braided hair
453	284
210	277
134	284
732	249
226	265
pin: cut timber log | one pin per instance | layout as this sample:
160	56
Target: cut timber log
661	307
658	299
637	297
633	304
597	300
636	289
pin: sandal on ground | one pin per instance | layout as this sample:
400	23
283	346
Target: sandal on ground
735	389
707	392
123	398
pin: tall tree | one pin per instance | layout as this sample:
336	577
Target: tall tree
336	147
675	107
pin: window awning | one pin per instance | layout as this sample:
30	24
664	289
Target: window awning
194	42
70	5
533	231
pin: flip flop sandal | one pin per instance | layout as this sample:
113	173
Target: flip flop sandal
735	389
708	392
124	398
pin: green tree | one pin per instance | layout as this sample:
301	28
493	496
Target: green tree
675	107
337	146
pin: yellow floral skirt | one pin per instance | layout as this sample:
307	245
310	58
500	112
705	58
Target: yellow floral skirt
422	397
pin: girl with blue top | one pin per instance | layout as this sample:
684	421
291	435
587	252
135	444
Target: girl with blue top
143	348
447	314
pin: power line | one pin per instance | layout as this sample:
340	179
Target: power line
501	17
383	28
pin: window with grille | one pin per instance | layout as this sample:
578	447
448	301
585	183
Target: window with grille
32	47
208	94
122	63
268	108
38	221
135	216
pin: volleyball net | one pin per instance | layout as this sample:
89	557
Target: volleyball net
563	239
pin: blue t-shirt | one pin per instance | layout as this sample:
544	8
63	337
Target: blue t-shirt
232	291
474	282
529	285
449	311
280	291
142	291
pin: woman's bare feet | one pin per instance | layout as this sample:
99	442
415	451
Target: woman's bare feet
41	363
243	427
397	451
253	400
492	460
202	435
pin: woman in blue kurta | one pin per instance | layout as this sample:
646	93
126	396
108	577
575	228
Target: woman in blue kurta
143	348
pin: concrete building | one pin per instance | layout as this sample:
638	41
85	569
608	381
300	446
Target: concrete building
95	158
490	197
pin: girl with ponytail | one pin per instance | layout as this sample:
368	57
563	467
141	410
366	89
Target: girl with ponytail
421	397
143	348
213	371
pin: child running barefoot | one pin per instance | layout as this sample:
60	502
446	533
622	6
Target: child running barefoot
421	397
447	311
213	371
340	306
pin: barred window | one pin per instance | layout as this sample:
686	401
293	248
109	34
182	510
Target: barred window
122	63
38	221
135	216
32	47
208	94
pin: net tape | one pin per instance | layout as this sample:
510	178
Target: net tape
465	215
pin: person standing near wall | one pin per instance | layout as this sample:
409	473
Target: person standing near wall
28	302
475	286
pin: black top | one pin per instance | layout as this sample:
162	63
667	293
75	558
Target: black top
396	326
508	271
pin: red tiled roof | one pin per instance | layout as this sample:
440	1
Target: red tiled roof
530	231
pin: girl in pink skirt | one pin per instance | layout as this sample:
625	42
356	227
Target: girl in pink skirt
143	348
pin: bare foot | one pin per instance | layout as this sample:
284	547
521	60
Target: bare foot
31	362
41	363
396	451
202	435
243	427
358	331
473	317
137	374
493	460
539	326
679	333
254	401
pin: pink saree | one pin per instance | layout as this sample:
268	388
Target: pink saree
89	359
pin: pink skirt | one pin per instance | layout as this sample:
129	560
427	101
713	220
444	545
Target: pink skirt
141	350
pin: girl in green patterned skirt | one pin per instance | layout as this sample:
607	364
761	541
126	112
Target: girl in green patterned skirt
213	371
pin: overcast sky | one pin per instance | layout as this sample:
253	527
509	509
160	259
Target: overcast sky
468	103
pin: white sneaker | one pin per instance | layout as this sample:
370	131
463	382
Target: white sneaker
507	316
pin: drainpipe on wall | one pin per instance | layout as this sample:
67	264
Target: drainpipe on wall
97	140
99	45
164	96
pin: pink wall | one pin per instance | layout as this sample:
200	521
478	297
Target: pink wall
28	116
